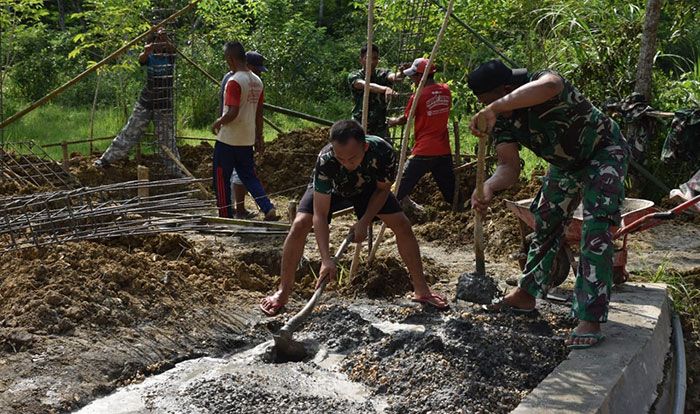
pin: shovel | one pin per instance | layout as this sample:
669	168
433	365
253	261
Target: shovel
286	348
477	287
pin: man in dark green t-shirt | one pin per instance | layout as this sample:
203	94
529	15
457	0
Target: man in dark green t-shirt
588	159
380	92
352	170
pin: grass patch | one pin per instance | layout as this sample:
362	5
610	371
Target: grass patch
684	289
53	124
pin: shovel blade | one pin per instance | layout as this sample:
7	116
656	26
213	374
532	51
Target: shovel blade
286	349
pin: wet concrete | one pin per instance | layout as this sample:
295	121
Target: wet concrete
369	356
241	383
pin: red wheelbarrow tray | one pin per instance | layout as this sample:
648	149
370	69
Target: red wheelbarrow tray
632	210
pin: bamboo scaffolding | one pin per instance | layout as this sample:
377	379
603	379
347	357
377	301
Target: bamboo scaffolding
96	66
411	116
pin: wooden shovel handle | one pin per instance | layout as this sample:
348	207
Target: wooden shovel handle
478	219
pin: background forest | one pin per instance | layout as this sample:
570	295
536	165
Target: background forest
310	46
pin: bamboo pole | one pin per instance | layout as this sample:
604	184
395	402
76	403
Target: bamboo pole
182	168
241	222
411	116
365	111
478	216
64	151
458	174
92	111
93	68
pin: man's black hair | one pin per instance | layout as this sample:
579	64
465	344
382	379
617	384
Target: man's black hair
235	50
343	131
363	49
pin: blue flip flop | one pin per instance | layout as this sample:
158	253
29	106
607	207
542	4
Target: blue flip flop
598	336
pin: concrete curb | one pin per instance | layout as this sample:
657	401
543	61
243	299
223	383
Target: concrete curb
622	374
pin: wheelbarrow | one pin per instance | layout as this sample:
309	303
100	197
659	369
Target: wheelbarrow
637	215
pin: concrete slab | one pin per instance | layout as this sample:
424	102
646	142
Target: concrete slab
621	375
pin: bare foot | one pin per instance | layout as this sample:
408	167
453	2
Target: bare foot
520	299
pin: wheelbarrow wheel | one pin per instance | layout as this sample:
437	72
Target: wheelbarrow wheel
560	266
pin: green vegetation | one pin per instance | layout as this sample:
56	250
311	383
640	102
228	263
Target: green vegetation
684	289
311	45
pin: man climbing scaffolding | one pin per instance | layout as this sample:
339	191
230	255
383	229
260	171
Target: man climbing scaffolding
155	103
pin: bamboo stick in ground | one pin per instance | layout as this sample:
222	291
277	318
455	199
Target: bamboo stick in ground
478	217
458	175
142	175
411	116
365	110
184	169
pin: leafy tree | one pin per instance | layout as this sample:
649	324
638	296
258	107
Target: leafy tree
16	18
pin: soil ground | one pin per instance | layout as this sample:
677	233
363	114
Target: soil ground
79	320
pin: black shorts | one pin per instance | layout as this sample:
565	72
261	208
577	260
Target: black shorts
358	203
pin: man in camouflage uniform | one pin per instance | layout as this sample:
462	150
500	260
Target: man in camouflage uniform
683	144
155	103
352	170
380	92
588	159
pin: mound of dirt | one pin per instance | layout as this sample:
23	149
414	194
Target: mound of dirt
387	276
427	193
289	160
117	284
197	160
286	163
456	229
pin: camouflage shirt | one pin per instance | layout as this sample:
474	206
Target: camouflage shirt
565	131
683	140
330	177
376	119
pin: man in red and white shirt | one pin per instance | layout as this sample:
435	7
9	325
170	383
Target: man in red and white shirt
431	151
237	130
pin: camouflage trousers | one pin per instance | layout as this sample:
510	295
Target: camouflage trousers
131	134
600	187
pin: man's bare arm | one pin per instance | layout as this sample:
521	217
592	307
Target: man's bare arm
506	174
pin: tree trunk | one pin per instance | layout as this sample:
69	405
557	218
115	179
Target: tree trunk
320	13
61	15
647	50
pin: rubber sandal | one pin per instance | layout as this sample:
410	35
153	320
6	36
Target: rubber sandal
502	306
598	336
272	310
433	300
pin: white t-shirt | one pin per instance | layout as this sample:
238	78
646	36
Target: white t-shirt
245	90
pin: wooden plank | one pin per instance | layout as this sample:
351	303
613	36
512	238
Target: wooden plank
142	175
242	222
